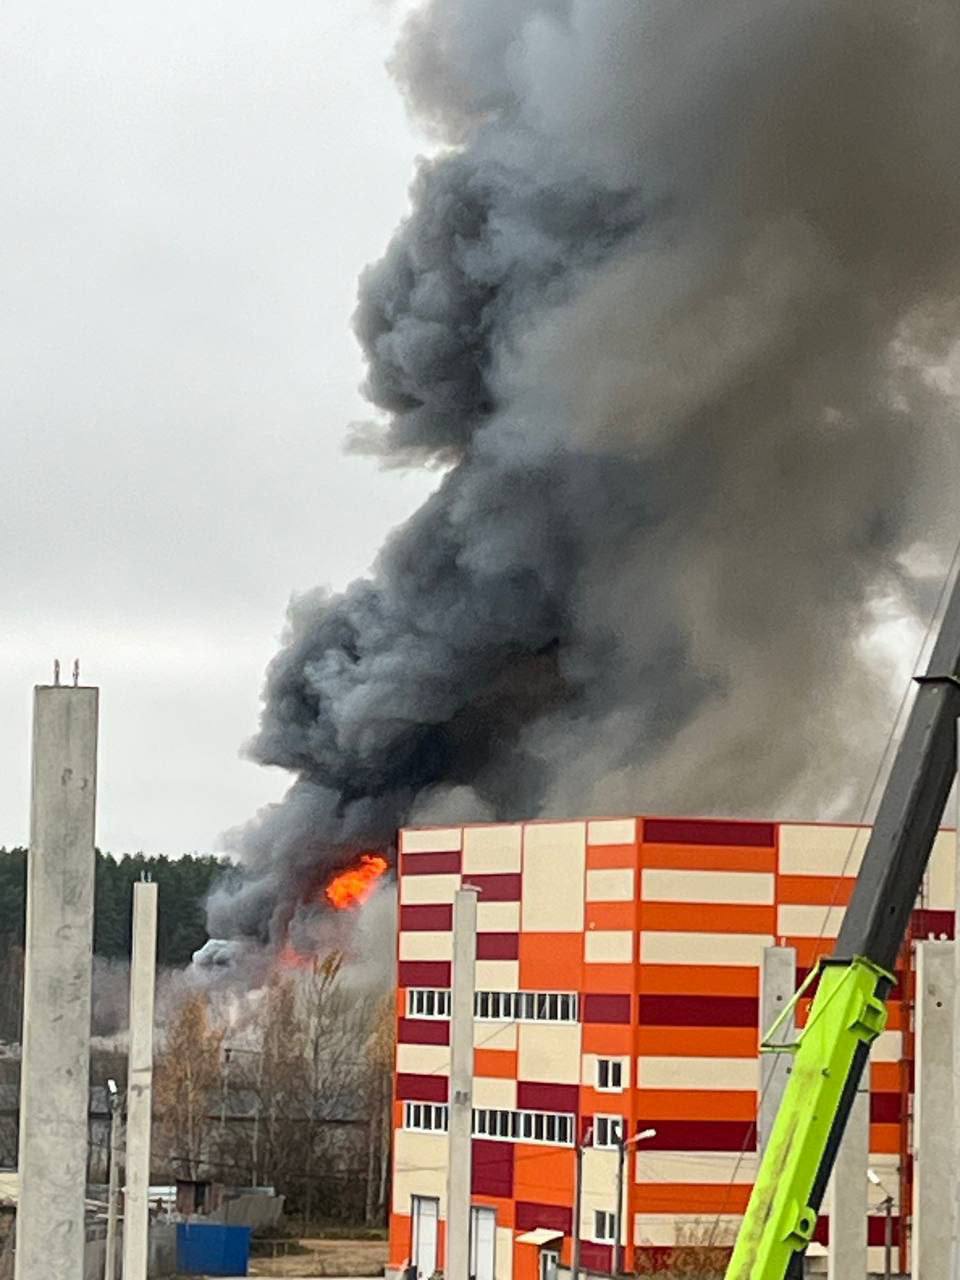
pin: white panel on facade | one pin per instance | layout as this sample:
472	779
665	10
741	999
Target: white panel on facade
600	1179
493	1093
610	885
888	1047
554	860
821	850
491	850
731	887
809	922
668	1230
436	840
498	975
550	1054
426	946
608	946
703	948
612	831
504	1253
420	1168
498	917
423	1059
428	889
697	1073
495	1035
939	882
717	1168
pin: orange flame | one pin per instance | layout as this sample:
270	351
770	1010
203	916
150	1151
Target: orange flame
355	885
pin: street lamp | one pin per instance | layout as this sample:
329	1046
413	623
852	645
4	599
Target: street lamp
622	1143
113	1183
887	1206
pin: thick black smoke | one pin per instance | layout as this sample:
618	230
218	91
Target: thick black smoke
674	310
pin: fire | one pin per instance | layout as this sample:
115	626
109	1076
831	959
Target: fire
353	886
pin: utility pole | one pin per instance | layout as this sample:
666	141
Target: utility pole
54	1098
113	1191
578	1200
887	1206
143	963
460	1125
623	1142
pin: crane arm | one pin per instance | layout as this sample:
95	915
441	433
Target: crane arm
849	1009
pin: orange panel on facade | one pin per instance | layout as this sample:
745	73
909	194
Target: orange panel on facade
809	950
505	1209
690	1198
885	1139
543	1174
607	1038
885	1077
697	1104
615	978
814	891
498	1064
611	857
551	961
697	1042
715	917
400	1239
611	915
699	980
686	857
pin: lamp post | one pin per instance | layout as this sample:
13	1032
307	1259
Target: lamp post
622	1143
886	1204
577	1199
113	1184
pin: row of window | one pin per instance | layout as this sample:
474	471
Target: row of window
554	1128
499	1006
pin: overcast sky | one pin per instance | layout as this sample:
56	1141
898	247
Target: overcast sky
190	191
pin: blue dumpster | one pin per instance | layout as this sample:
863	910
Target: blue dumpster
209	1249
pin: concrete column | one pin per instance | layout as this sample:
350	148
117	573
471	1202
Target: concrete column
459	1159
55	1068
847	1196
778	980
954	1219
143	963
934	1174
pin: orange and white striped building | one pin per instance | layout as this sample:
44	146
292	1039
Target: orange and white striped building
618	974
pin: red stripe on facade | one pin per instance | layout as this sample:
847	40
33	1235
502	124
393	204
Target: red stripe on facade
424	973
492	1171
534	1096
752	835
498	946
417	918
423	1031
555	1217
430	864
596	1257
502	887
703	1135
926	923
606	1008
876	1227
416	1088
697	1011
886	1108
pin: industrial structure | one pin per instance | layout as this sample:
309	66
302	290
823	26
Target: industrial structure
619	975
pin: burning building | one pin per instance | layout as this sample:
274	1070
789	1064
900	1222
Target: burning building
618	979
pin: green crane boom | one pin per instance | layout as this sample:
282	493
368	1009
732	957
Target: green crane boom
849	1009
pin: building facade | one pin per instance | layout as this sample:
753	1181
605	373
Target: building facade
618	973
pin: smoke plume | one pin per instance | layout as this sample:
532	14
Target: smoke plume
675	314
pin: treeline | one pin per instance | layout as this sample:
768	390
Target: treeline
183	885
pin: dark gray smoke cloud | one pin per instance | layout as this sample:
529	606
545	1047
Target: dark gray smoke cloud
675	310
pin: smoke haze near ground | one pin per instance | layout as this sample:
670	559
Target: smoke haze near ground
676	312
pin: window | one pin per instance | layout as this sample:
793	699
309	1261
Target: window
604	1226
428	1004
610	1075
552	1128
523	1006
425	1117
606	1131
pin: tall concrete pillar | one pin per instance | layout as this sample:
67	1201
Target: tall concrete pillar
933	1100
847	1197
55	1068
459	1165
143	963
778	980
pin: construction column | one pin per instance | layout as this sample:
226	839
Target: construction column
777	985
56	1011
847	1194
143	963
933	1177
460	1162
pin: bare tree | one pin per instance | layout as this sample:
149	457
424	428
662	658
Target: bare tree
185	1081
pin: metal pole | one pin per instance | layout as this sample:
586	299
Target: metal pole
460	1125
621	1161
577	1199
113	1191
888	1239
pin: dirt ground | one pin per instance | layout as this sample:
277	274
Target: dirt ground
326	1258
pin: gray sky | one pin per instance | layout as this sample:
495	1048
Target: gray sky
190	191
